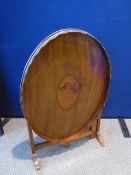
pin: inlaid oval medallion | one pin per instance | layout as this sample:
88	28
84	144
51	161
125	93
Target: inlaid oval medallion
68	92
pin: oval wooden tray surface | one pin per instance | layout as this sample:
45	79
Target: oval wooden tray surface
64	84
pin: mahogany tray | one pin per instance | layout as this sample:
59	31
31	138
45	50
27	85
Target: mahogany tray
64	87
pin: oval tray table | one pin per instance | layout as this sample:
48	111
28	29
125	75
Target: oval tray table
64	87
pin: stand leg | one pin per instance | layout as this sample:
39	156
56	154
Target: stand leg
98	135
95	131
100	140
33	149
36	162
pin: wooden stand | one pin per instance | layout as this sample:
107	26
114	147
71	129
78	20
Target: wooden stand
62	106
93	132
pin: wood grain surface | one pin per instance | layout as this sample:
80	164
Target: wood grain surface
65	84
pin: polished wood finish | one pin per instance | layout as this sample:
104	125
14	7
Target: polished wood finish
64	87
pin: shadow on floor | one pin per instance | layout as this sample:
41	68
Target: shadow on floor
22	150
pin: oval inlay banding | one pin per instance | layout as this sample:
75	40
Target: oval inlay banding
68	92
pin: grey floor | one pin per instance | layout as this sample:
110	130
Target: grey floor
85	157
